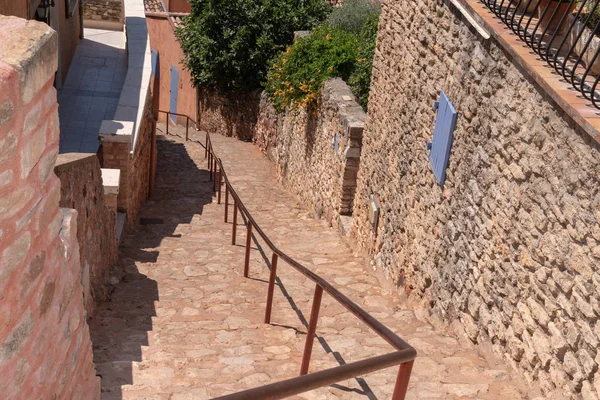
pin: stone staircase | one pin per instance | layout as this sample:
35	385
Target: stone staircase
185	324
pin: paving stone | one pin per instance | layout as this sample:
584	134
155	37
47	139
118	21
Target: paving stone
187	324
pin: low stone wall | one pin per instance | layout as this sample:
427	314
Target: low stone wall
140	164
128	141
82	189
317	152
231	114
510	246
107	11
45	347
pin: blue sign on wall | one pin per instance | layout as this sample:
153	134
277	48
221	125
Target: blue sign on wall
174	92
443	135
155	64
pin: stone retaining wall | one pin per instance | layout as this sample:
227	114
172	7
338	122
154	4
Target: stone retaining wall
103	10
82	189
45	347
317	152
229	114
510	246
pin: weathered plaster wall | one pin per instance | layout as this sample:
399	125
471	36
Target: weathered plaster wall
510	245
17	8
70	29
45	347
183	6
302	144
82	189
164	42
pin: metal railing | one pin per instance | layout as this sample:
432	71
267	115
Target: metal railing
404	354
562	33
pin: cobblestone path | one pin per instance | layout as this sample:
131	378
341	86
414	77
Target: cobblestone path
184	323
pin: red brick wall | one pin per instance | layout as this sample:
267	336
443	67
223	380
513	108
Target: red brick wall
163	41
45	347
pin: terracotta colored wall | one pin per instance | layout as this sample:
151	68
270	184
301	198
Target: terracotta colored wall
18	8
45	347
179	6
69	37
163	40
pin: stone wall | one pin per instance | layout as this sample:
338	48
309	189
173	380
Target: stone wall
128	141
45	347
317	152
82	189
232	114
139	165
510	246
103	10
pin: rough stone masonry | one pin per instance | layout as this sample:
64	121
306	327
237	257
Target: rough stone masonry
510	246
45	347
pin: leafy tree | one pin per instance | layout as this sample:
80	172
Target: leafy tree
228	43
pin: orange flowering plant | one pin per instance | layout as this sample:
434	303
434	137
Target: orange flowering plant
298	74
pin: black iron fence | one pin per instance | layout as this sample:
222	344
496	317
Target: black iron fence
563	33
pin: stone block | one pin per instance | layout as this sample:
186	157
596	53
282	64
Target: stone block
8	145
31	48
32	151
17	338
14	255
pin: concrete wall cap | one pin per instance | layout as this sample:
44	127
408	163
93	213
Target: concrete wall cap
116	131
111	178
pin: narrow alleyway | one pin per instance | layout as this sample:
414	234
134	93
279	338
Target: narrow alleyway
92	89
185	324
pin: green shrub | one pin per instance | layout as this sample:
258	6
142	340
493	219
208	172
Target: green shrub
353	14
228	43
297	75
360	80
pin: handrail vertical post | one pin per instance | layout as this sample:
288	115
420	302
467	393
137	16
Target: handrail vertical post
248	242
187	128
235	211
219	185
402	381
206	146
210	165
226	202
312	328
167	123
214	175
272	277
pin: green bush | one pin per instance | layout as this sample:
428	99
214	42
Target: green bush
228	43
353	14
297	75
360	80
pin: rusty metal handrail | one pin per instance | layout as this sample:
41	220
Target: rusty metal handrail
403	356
